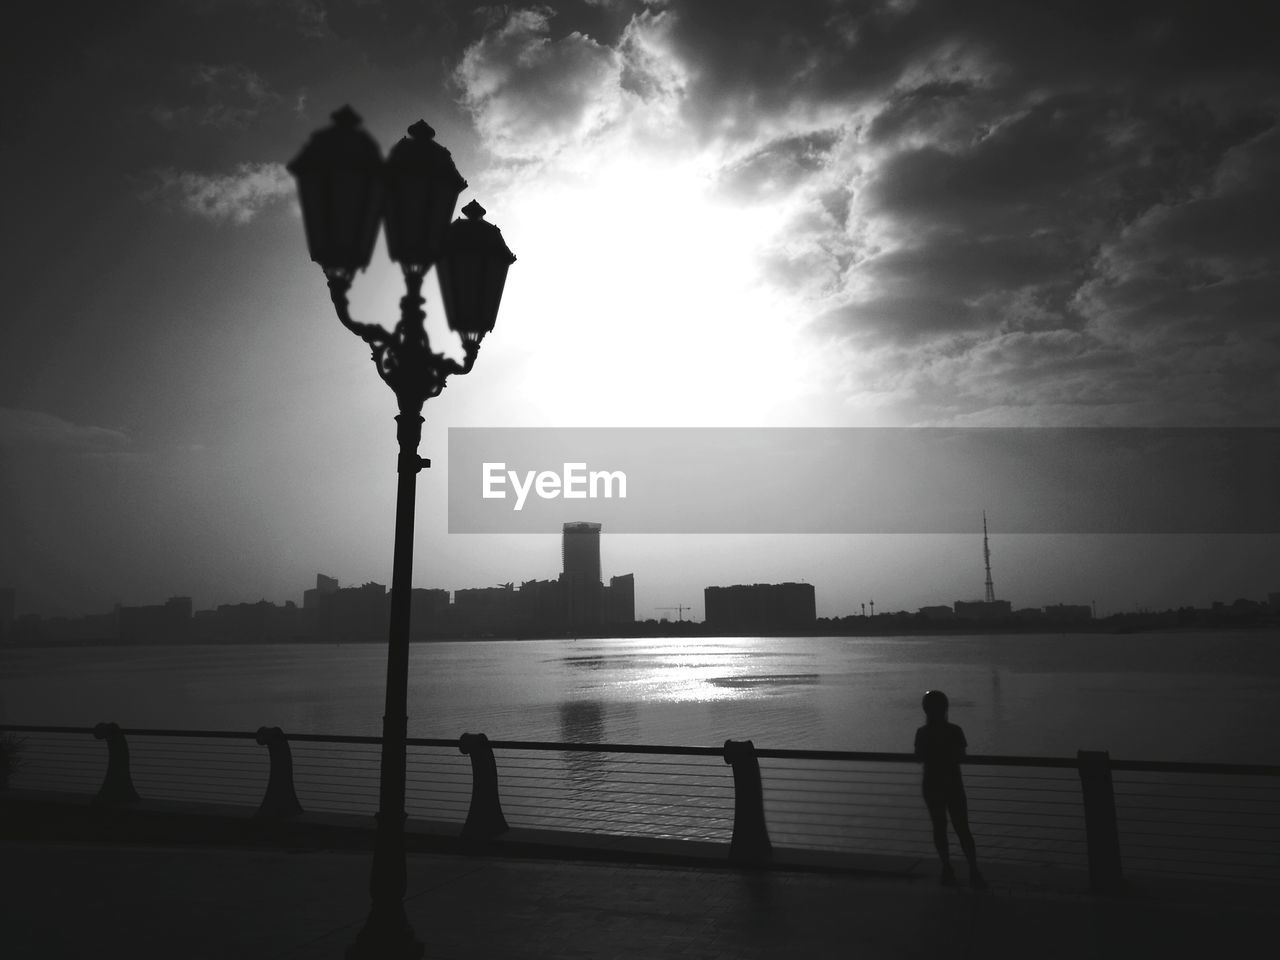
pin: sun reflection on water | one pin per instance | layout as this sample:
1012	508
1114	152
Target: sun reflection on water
701	672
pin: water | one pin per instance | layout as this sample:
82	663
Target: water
1179	697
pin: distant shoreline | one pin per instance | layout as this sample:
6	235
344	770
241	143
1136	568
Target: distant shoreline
674	631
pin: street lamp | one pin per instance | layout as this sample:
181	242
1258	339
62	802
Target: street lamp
346	191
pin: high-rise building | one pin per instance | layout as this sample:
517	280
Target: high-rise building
620	600
485	610
357	613
582	591
428	609
580	550
325	586
541	603
261	622
315	605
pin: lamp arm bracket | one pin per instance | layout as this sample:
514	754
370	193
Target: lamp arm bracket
403	357
471	348
372	334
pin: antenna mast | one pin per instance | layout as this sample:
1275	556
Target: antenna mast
986	556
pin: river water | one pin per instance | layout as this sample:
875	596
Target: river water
1173	697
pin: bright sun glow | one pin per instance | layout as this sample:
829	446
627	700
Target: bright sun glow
636	258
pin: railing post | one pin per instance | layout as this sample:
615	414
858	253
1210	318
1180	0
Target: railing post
750	843
484	818
280	800
1101	833
117	785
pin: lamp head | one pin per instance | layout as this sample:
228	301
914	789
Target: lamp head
340	190
473	273
422	190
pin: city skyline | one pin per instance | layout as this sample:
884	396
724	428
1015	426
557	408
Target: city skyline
898	217
825	608
531	611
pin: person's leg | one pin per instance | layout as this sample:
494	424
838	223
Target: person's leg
958	807
936	801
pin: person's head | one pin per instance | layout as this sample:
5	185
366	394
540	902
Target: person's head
935	705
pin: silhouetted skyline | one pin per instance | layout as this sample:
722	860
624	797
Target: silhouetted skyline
555	607
728	214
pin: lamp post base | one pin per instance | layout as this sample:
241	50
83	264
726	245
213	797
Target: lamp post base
386	935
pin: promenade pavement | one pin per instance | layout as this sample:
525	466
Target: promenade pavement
108	899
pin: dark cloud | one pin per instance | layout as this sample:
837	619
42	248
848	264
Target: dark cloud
965	267
954	283
929	109
754	61
1202	267
1056	374
1043	169
1078	174
1074	162
1011	177
903	317
757	59
779	166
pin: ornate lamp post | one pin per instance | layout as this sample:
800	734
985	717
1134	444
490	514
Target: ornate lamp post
346	191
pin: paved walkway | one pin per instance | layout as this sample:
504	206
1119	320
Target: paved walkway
110	900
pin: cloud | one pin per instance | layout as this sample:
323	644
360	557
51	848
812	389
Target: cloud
1007	190
237	94
1192	283
312	18
1185	264
759	62
235	197
34	429
233	97
943	188
780	165
531	95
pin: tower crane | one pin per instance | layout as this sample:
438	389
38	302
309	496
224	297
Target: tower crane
680	608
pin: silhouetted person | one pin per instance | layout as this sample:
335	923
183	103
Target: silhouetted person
939	747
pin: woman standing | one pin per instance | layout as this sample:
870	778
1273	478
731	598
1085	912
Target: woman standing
940	745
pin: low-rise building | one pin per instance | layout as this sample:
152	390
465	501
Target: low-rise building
760	606
983	609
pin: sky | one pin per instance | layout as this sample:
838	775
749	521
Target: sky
727	213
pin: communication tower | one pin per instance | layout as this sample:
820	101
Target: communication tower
986	556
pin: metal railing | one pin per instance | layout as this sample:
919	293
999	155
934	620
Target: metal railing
1088	812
